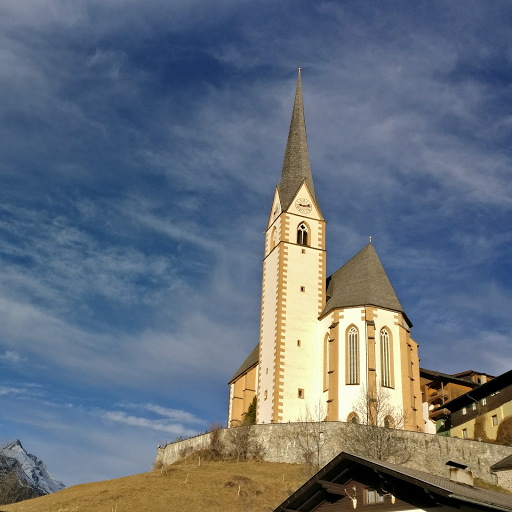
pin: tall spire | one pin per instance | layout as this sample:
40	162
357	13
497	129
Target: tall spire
296	167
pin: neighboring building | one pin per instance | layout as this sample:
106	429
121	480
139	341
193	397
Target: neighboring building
476	377
503	472
323	340
490	404
350	482
439	388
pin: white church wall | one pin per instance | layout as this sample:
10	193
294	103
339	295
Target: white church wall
320	403
301	362
430	426
268	332
386	319
348	393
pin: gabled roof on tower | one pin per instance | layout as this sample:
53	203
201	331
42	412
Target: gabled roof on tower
362	281
296	167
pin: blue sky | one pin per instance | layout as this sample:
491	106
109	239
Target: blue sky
140	145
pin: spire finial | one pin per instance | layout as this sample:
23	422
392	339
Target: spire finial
370	239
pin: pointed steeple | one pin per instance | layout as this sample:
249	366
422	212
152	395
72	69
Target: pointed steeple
296	167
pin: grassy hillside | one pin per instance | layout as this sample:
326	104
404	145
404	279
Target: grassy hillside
212	487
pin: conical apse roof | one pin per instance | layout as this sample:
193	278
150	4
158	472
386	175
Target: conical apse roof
362	281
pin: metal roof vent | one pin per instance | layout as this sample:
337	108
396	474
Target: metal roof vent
460	473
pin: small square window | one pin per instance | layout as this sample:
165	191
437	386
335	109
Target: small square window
465	433
494	420
303	251
484	401
464	410
301	393
298	343
302	288
372	496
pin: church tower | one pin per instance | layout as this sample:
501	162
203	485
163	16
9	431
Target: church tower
293	290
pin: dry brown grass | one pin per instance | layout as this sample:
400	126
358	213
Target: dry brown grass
184	486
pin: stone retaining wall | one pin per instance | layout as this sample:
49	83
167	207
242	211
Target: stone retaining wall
428	452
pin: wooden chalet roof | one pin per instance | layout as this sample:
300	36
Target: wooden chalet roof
503	465
438	376
418	488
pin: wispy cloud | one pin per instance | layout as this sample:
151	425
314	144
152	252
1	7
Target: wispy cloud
11	356
4	390
137	421
140	144
172	414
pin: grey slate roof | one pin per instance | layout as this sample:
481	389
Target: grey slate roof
362	281
296	167
252	360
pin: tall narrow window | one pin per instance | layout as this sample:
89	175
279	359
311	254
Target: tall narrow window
273	241
326	362
353	356
385	358
302	234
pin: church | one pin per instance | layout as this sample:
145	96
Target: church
323	339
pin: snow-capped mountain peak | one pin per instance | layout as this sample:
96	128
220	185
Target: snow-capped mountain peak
34	469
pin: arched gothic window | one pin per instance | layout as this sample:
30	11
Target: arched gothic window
353	356
353	418
302	234
385	359
389	422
